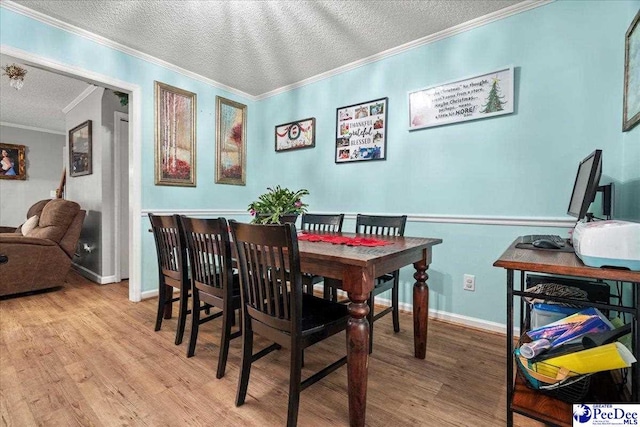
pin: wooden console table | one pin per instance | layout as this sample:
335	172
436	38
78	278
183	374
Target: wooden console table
520	398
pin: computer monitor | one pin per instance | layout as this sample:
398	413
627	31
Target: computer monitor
586	185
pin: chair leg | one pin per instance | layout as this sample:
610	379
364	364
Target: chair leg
327	290
168	305
371	303
195	323
162	301
295	377
227	319
396	309
245	369
182	315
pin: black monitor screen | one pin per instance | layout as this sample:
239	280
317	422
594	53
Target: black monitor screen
586	185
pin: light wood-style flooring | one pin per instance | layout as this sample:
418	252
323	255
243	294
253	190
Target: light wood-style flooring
85	355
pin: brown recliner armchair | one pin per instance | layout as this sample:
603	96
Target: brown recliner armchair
42	258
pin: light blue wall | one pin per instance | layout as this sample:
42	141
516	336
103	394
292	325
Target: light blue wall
568	57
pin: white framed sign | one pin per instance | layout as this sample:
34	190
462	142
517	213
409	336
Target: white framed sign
471	98
361	131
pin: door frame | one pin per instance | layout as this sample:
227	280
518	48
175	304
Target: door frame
135	148
118	118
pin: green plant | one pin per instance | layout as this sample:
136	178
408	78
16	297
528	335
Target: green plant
276	202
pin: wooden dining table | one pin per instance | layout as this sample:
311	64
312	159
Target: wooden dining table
357	268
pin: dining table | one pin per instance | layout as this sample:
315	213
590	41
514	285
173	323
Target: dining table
357	267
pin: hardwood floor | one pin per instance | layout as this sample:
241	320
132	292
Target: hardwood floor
85	355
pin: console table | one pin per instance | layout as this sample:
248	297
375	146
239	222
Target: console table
520	398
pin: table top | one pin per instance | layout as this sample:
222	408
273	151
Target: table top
555	262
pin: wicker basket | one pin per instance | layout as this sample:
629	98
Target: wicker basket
554	381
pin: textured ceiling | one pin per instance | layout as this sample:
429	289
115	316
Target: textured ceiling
260	46
40	101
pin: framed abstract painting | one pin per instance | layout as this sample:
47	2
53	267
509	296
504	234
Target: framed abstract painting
231	142
175	153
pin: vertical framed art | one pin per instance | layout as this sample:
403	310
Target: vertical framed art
80	146
231	142
12	161
175	153
631	107
295	135
361	131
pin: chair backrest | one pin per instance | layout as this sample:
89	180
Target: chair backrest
209	252
382	225
322	222
268	258
172	258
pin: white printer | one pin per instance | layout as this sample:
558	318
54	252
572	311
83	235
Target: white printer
610	243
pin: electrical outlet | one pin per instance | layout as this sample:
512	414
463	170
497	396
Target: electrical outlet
469	282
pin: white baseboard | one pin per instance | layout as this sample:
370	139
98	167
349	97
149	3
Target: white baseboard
149	294
85	272
458	319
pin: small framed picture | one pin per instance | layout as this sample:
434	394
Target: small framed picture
295	135
80	150
12	161
231	142
361	131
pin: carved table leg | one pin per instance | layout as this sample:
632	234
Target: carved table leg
357	358
420	308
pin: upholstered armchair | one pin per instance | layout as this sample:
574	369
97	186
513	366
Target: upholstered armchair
39	255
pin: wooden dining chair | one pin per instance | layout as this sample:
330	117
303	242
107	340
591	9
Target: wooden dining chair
386	226
382	226
274	306
321	223
172	270
213	283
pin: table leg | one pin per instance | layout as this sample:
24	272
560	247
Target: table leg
420	308
357	358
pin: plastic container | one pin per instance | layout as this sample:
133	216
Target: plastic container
543	314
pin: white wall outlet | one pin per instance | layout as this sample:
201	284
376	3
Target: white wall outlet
52	194
469	282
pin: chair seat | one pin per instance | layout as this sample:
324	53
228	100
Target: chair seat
319	313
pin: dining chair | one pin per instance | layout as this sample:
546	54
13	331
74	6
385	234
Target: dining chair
213	283
172	270
322	223
386	226
383	226
274	306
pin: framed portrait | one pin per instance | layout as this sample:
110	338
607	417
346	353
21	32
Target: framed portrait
631	107
295	135
231	142
361	131
175	153
80	162
12	161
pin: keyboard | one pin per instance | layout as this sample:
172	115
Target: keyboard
533	237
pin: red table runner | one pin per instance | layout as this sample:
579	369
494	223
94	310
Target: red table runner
341	240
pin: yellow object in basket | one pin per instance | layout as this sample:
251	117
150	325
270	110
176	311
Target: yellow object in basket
602	358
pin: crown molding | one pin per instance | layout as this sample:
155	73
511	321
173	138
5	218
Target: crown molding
88	91
465	26
54	22
449	32
33	128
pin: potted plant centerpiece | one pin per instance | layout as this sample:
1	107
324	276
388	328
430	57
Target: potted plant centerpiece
278	205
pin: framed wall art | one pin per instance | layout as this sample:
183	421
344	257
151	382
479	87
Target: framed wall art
361	131
80	147
231	142
295	135
631	108
175	153
470	98
12	161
